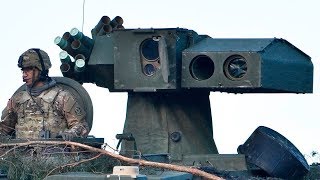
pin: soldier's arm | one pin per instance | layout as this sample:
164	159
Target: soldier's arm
75	116
8	118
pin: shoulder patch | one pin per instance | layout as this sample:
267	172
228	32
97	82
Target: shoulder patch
78	111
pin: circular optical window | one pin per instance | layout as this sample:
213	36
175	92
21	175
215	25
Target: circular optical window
149	69
149	49
235	67
201	67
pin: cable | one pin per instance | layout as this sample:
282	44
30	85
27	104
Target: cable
83	14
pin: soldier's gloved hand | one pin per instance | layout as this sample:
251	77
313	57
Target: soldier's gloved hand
67	136
10	105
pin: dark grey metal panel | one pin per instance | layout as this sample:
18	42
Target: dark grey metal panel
219	80
286	68
227	45
128	65
272	65
102	52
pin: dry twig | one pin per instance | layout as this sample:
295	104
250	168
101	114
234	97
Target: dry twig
191	170
74	164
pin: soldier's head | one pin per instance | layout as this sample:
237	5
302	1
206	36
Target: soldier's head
35	64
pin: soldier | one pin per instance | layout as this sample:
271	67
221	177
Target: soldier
44	109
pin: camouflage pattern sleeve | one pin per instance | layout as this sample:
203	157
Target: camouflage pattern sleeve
74	114
8	118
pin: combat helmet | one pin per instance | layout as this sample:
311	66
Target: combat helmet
35	58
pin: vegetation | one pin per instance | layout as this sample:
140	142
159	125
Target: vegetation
37	163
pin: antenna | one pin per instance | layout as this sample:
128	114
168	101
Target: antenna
84	1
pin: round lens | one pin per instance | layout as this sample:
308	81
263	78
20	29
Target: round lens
149	69
201	67
235	67
149	49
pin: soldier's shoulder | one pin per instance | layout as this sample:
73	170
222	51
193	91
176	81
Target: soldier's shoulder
64	95
50	95
21	96
63	92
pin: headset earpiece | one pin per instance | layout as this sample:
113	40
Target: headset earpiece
44	73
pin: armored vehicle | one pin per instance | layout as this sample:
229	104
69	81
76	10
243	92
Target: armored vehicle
168	74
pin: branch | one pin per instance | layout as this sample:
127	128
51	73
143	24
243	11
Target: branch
191	170
74	164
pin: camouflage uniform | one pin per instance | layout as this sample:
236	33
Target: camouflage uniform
61	114
55	109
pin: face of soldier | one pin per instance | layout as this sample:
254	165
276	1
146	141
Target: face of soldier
29	75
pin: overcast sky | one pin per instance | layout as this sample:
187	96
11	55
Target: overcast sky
35	23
